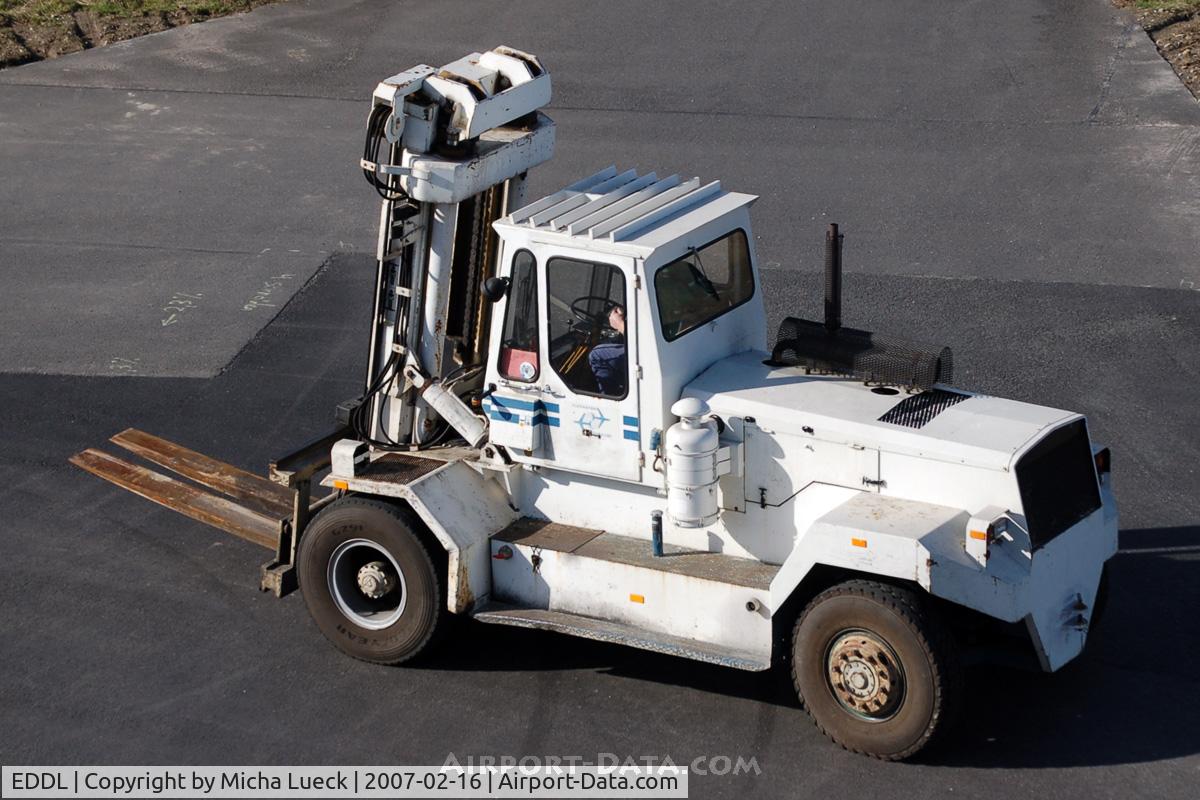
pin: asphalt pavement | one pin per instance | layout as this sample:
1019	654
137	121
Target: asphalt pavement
1019	181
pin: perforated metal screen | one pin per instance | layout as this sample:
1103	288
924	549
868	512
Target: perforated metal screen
870	356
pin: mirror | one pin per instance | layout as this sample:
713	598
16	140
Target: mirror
494	289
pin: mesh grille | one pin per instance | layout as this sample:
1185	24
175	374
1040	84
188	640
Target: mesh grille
399	468
918	410
862	354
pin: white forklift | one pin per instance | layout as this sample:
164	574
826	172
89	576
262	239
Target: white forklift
572	421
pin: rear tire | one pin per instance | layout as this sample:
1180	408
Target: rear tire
369	582
873	669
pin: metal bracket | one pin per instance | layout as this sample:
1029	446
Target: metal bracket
278	575
296	471
385	169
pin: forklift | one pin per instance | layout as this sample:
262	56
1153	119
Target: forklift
572	420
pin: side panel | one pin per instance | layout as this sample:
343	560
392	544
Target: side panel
861	531
778	465
653	600
439	500
940	482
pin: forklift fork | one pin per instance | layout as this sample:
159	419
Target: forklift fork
272	513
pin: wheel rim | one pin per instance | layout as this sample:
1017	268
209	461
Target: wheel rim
864	675
366	583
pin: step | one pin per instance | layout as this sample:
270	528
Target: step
620	633
597	544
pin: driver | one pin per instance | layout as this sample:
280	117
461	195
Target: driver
607	359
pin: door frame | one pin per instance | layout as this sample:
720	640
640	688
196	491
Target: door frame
595	435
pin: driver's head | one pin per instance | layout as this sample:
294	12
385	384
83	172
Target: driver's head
616	319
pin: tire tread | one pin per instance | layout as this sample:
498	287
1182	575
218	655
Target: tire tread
934	640
410	522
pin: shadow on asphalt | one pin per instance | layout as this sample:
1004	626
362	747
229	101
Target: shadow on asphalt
1123	701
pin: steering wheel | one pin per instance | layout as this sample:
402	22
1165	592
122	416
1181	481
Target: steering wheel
599	320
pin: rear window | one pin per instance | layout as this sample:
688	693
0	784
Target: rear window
704	284
1057	479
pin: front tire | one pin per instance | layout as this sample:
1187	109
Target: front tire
873	669
368	581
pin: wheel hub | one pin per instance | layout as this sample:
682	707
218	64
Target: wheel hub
864	675
367	584
374	581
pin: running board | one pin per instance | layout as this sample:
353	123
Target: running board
270	513
619	633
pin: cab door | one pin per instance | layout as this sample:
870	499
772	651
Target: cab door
589	386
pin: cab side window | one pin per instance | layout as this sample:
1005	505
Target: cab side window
586	315
704	284
519	338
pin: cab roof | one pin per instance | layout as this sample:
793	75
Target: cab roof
623	212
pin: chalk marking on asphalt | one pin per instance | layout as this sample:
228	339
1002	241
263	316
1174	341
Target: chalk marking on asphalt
128	365
177	305
260	298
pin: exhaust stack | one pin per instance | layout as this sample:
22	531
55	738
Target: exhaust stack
829	348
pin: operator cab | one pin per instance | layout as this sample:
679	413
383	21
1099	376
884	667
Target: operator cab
620	289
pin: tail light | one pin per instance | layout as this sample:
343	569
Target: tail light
983	530
1103	458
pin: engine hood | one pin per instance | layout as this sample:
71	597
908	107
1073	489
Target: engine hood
975	429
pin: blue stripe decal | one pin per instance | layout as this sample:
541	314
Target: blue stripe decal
506	416
538	419
537	407
524	405
631	421
512	402
632	435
